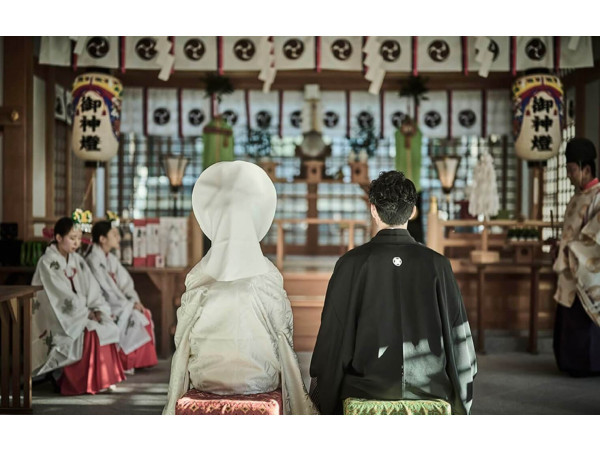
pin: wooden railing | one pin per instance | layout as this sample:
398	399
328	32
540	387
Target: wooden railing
15	348
280	249
436	230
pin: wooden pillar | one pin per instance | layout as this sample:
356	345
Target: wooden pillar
312	231
120	170
480	291
519	205
50	98
351	235
89	199
434	228
280	245
534	308
107	194
505	172
18	153
579	105
69	176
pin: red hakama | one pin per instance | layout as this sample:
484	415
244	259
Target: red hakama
145	356
98	368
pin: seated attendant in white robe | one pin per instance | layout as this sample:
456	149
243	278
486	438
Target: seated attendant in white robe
71	327
137	349
234	325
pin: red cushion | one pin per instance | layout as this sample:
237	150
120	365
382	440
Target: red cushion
196	402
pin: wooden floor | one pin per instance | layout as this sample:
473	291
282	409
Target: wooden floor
507	383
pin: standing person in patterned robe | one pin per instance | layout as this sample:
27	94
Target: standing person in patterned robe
137	343
577	325
71	328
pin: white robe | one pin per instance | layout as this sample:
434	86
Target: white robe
120	294
60	316
235	337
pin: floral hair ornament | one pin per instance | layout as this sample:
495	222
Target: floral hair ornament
113	218
82	220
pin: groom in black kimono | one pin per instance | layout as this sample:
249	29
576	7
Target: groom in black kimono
394	324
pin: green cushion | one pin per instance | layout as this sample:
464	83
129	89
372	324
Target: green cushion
363	407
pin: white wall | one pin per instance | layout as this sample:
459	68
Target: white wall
39	150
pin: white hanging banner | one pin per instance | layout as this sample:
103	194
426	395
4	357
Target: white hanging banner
294	52
375	72
333	106
60	109
163	112
499	114
395	108
99	51
55	50
341	52
535	51
293	102
581	55
493	51
195	111
244	52
132	111
433	115
233	109
396	52
69	107
466	113
195	53
268	70
364	111
439	54
264	110
141	52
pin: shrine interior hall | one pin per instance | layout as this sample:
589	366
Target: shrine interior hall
323	116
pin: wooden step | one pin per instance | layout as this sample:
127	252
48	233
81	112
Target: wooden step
306	283
307	311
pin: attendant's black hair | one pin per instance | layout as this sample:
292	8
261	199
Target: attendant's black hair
394	197
592	164
100	229
62	227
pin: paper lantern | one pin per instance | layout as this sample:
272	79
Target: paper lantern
97	116
537	116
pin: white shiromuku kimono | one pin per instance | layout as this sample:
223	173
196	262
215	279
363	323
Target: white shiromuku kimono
119	292
235	325
60	315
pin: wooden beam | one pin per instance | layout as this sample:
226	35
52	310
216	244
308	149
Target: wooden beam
296	79
107	187
17	156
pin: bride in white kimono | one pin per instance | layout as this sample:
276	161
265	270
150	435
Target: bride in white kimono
72	328
137	349
234	325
